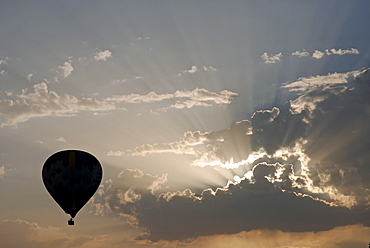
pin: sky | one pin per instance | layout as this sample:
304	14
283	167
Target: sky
217	123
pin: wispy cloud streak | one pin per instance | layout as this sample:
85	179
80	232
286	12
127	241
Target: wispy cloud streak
43	102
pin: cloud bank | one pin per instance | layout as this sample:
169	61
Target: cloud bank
43	102
307	170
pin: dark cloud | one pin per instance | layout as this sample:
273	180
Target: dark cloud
236	141
240	207
278	128
312	175
338	141
333	125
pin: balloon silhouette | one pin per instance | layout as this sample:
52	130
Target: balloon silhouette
71	177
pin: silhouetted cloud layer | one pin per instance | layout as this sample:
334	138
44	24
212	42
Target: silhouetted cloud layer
307	163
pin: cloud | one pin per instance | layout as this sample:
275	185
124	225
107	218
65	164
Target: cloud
225	145
301	53
194	69
185	99
66	69
318	54
43	102
103	55
330	121
21	233
329	80
243	206
342	52
306	170
271	58
209	68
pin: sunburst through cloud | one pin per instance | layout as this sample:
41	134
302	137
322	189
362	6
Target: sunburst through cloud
216	124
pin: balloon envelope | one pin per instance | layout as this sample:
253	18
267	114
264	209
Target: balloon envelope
71	177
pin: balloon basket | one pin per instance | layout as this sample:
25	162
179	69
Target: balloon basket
71	222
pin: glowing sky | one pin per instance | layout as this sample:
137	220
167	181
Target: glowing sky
217	123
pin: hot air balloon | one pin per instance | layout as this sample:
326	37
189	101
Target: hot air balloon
71	177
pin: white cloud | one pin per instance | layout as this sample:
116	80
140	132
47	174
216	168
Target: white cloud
186	99
193	70
66	68
103	55
318	54
43	102
137	98
205	147
304	84
342	52
301	53
271	58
